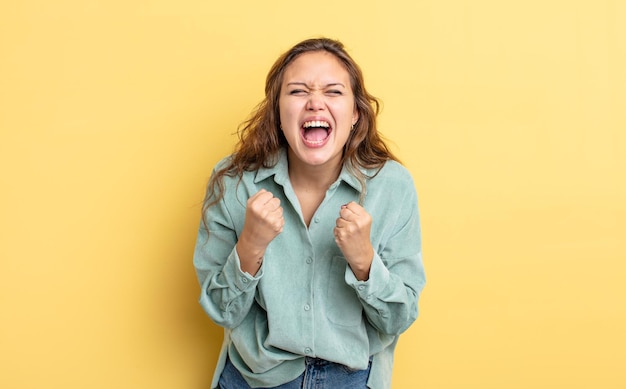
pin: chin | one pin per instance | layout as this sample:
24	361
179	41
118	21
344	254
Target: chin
318	160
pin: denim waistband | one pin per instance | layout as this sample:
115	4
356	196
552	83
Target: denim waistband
318	361
321	362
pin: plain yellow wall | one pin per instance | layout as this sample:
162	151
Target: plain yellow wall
511	115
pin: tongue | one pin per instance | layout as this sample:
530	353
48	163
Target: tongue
315	134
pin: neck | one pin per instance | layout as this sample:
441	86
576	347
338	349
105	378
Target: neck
317	178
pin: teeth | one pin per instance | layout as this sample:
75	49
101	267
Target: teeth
316	123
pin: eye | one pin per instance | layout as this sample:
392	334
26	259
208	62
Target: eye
297	92
334	92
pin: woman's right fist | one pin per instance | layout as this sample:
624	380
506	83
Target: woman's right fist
264	220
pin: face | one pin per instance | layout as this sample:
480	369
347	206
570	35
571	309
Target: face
317	109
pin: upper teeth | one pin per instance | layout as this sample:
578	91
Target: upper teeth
316	123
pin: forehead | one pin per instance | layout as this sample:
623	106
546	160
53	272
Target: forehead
316	67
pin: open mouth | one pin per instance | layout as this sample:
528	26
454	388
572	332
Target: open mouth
315	132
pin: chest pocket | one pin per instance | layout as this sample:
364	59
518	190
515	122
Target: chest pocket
344	307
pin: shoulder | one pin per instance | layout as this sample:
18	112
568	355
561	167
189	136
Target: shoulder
226	181
391	193
391	185
391	173
226	170
224	163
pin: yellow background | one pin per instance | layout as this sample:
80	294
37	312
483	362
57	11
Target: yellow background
511	115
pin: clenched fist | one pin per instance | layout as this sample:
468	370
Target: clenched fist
264	221
352	234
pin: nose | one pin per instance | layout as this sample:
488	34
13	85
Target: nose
315	103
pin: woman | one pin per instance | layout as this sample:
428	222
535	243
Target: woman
309	253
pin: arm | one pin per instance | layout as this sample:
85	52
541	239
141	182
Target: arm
229	264
227	292
389	303
390	293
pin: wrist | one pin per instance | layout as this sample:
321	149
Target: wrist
250	257
361	274
361	268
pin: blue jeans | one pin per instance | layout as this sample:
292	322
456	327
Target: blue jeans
318	374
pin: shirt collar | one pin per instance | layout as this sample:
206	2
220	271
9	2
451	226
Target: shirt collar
281	173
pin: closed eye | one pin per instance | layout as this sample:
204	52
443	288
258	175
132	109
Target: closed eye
297	92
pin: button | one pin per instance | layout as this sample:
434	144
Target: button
307	307
308	350
317	220
309	260
244	280
361	287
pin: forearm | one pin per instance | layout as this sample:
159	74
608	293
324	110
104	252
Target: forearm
390	302
228	294
250	256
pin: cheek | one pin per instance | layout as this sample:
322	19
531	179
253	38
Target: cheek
346	108
285	111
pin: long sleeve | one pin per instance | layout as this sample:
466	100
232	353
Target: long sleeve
389	302
390	296
227	292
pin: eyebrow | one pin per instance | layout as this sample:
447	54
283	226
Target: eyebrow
326	86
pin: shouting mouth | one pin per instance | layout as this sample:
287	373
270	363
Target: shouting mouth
315	133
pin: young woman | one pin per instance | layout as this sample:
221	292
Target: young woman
309	250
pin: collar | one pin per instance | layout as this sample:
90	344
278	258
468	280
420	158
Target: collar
280	171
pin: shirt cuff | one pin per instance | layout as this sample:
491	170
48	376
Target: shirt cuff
237	277
376	283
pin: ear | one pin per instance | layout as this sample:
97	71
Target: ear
355	116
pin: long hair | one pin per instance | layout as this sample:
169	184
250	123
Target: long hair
260	138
